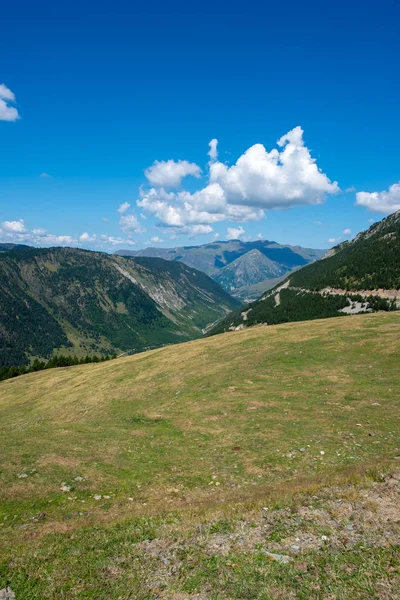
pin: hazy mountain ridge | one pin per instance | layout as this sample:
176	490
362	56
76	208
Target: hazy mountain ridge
222	261
249	269
85	302
358	276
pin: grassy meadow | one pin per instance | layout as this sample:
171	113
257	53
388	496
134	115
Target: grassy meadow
184	472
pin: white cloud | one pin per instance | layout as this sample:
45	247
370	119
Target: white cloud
382	202
116	241
7	112
6	93
275	179
333	240
56	240
85	237
259	236
194	230
105	220
17	232
123	208
258	180
317	222
169	173
14	226
350	189
45	176
371	220
130	225
347	232
39	232
156	240
206	206
234	233
213	151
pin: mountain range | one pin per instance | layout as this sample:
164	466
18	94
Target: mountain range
81	302
244	269
362	275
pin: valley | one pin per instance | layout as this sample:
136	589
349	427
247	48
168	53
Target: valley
200	301
243	269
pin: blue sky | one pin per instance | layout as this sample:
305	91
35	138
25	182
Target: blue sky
103	90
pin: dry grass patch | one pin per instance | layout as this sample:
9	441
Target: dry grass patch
265	407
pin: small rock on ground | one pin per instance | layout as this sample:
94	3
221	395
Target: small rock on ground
282	558
7	594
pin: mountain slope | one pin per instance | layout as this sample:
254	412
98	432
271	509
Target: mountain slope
249	269
84	302
371	261
184	471
215	257
185	295
358	276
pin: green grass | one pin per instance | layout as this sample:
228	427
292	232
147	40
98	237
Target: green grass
152	446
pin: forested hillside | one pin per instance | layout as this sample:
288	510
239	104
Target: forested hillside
358	276
88	302
369	262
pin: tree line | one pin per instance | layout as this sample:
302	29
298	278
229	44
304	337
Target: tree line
56	361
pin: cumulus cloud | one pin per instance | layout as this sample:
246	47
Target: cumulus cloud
275	179
347	232
7	99
213	151
156	240
259	180
382	202
194	230
234	233
14	226
123	208
130	225
110	240
63	240
207	206
17	232
350	189
169	173
85	237
39	232
333	240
